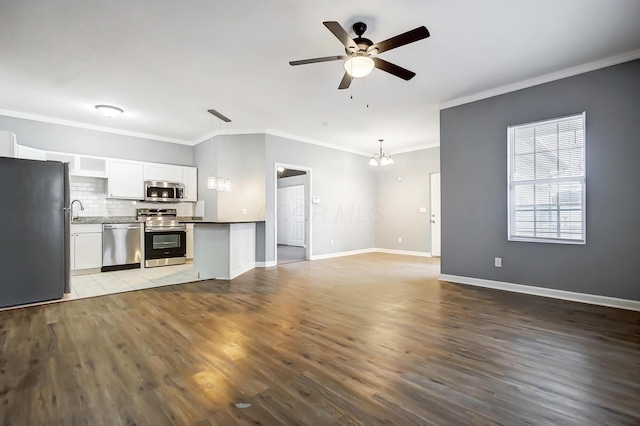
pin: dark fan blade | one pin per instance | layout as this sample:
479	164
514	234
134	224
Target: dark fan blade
220	116
314	60
400	40
346	81
404	74
341	34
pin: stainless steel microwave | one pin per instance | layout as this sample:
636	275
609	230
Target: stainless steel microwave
164	192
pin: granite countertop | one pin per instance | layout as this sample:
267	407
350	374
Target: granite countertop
218	222
82	220
86	220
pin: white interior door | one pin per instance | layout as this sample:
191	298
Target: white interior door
291	224
283	214
434	186
297	198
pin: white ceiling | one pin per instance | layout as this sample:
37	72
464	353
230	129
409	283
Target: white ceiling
166	62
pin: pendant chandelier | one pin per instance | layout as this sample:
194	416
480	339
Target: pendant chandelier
219	184
381	158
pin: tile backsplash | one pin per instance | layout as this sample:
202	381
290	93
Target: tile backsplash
92	193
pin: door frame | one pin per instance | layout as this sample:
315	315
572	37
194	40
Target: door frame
308	185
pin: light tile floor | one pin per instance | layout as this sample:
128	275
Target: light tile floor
101	283
128	280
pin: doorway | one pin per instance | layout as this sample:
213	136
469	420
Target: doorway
292	212
434	189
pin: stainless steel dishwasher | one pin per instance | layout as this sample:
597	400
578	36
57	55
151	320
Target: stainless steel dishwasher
121	248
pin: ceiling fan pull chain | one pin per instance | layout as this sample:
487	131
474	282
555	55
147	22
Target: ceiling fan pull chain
351	89
351	84
367	91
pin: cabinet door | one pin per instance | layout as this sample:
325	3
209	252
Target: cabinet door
8	147
190	180
88	250
72	252
162	172
189	242
126	179
30	153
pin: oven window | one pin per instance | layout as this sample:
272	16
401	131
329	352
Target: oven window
164	241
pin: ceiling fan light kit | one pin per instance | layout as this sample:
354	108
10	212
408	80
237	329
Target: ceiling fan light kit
359	66
360	53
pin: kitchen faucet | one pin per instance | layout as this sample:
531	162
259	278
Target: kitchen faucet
81	208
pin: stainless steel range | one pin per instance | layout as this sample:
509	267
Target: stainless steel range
165	239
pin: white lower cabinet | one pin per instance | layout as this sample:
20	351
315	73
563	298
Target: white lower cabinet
189	240
86	246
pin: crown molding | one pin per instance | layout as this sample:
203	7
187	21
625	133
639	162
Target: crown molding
314	142
280	134
415	148
569	72
77	124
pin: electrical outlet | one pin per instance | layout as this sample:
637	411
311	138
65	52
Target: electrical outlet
331	242
244	211
423	209
498	262
399	239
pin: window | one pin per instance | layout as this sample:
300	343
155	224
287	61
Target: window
547	181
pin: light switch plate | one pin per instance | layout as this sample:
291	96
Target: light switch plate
315	200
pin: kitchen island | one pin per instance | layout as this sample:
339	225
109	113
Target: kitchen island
223	250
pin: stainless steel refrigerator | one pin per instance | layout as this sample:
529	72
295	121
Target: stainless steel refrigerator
34	231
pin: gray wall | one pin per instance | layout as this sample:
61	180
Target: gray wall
399	202
206	156
474	186
241	159
74	140
346	187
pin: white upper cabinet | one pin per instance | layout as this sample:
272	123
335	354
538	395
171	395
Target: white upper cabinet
190	180
126	179
29	153
8	146
162	172
81	165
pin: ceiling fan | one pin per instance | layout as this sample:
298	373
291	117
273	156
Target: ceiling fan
361	52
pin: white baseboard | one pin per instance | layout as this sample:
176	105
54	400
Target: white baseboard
241	270
592	299
370	250
266	264
341	253
404	252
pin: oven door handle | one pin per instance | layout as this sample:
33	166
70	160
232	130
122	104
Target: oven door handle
162	246
165	229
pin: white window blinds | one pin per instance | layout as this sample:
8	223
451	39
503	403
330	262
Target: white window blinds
547	181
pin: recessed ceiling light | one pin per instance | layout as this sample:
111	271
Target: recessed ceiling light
109	111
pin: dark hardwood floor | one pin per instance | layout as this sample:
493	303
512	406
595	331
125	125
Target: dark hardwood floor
369	339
